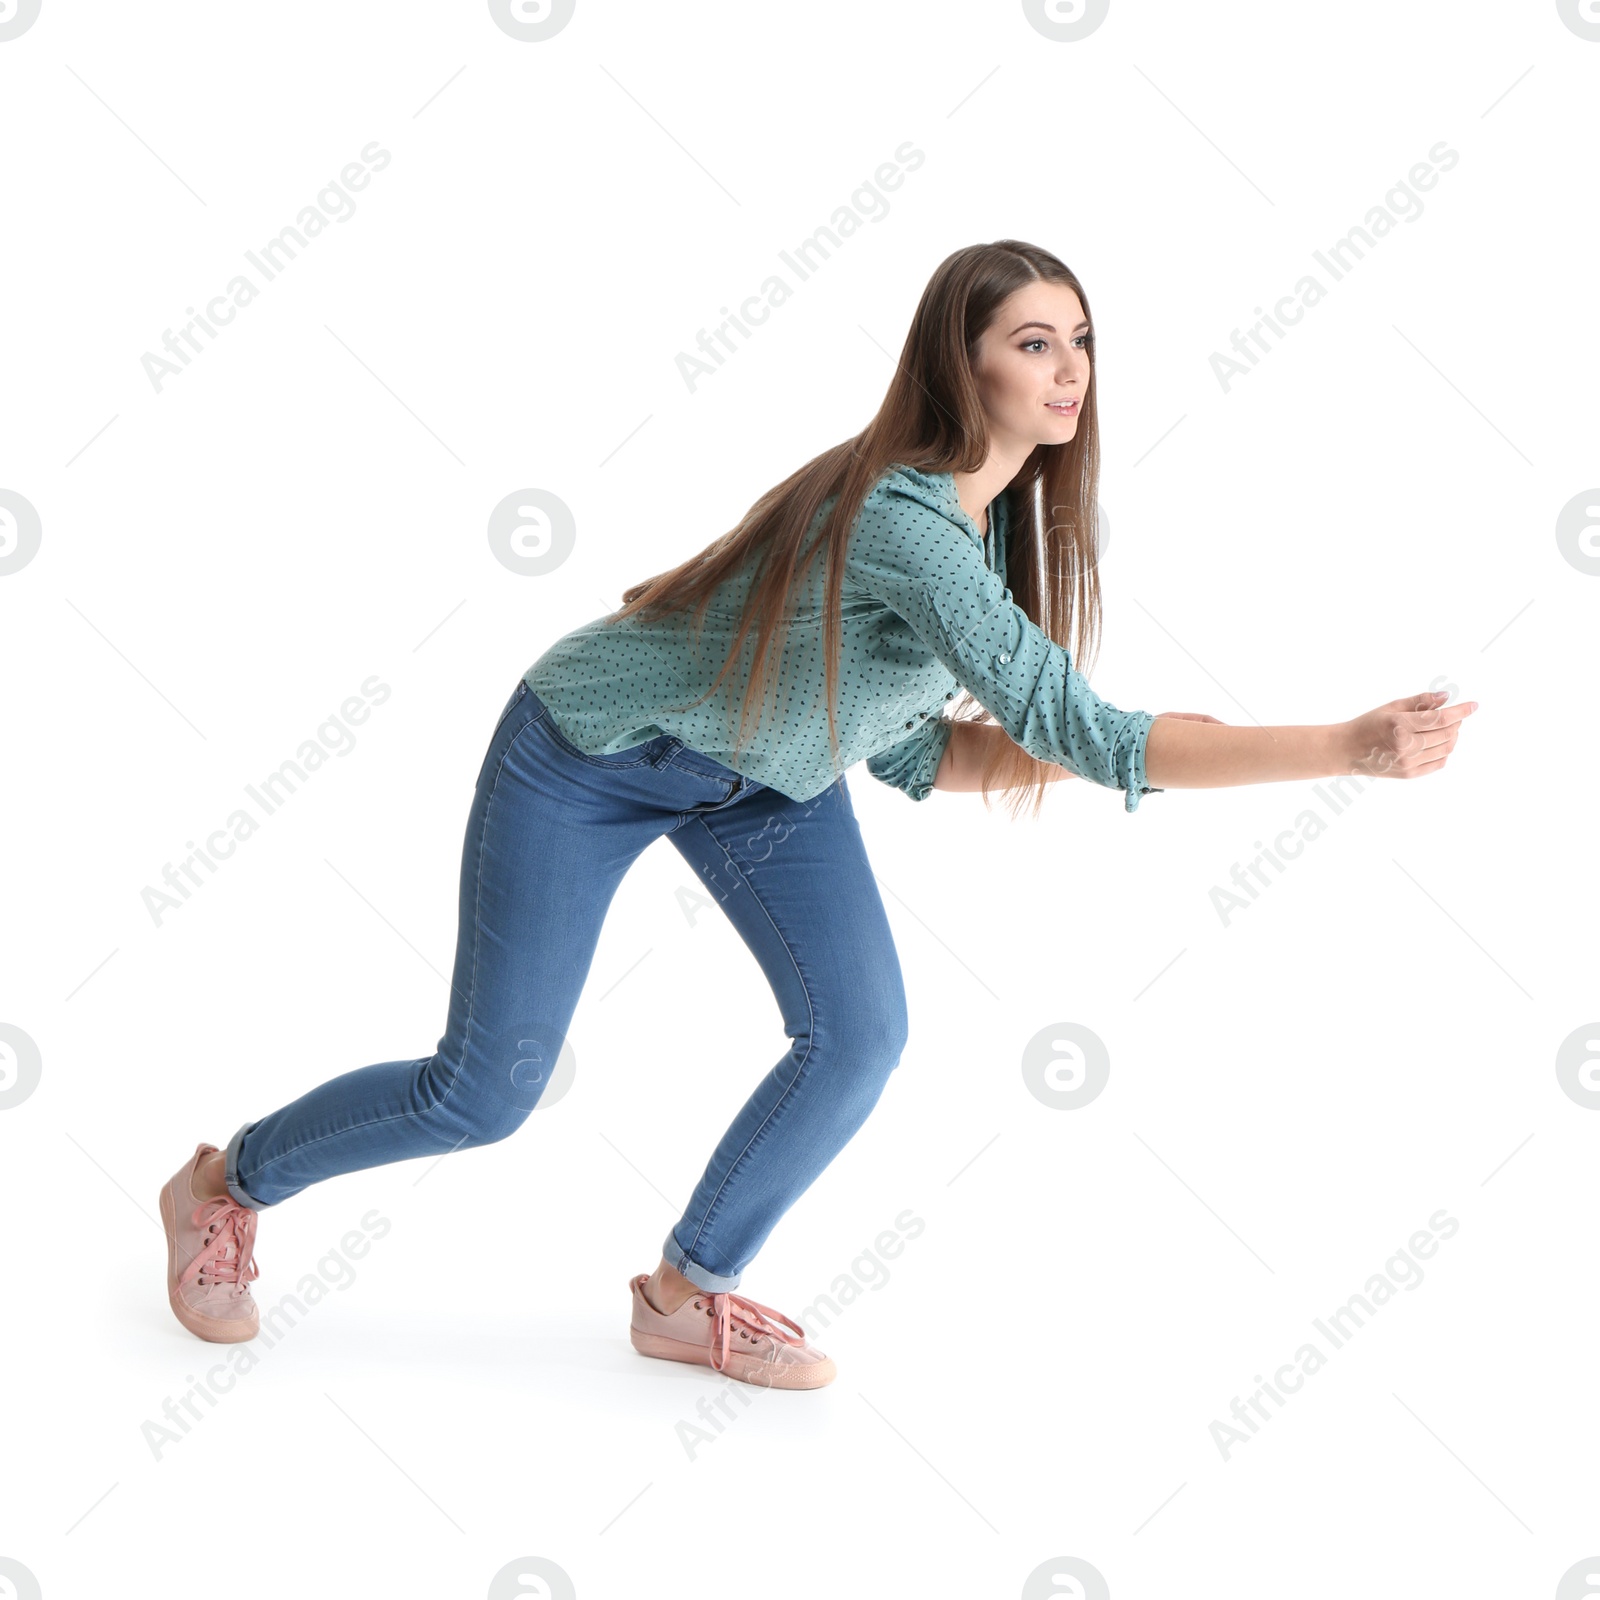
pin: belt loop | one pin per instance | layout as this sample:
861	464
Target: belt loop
666	752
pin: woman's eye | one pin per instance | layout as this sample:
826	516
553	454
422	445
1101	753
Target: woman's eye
1082	341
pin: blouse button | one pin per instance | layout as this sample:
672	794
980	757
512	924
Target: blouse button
908	724
1005	656
951	695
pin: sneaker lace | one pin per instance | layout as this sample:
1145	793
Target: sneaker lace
228	1254
734	1312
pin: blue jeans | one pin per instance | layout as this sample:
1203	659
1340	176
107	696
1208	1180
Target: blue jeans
549	836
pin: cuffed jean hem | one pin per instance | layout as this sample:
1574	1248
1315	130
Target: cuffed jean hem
713	1282
231	1171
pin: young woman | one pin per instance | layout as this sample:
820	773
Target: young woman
939	551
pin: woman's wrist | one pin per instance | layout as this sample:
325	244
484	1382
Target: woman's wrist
1339	753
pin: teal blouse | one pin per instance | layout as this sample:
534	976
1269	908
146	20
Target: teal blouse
926	611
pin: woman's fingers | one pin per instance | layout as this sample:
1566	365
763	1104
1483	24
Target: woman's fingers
1427	700
1410	737
1441	726
1435	738
1425	739
1420	770
1454	713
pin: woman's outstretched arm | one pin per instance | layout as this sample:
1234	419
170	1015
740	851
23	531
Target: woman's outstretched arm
1407	738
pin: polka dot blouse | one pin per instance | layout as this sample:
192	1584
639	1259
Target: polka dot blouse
926	612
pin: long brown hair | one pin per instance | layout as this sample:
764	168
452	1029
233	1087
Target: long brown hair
930	419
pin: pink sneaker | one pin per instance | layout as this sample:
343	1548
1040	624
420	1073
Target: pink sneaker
210	1258
737	1337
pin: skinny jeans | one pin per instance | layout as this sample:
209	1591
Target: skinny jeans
550	834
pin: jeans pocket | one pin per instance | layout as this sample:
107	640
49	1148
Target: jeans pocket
634	756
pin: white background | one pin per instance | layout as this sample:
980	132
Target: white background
1368	513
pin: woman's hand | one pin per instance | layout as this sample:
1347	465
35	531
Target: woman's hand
1407	738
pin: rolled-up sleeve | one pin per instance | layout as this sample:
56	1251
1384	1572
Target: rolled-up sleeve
912	764
932	573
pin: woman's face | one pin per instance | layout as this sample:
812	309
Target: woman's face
1035	352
